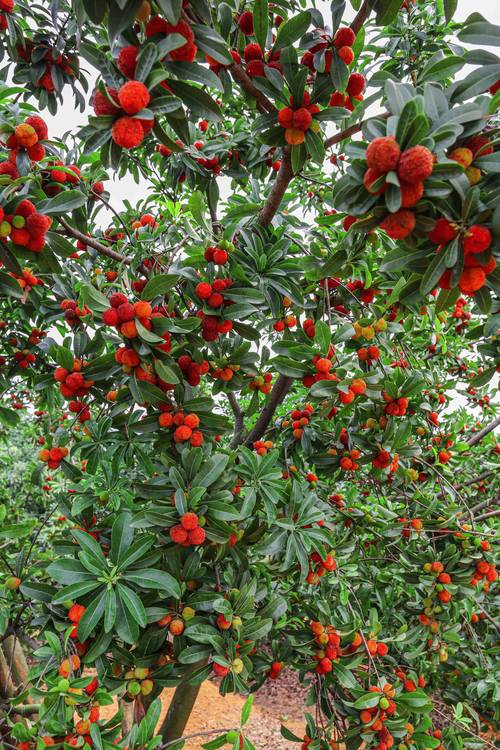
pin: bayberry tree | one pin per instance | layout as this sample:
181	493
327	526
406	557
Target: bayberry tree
260	394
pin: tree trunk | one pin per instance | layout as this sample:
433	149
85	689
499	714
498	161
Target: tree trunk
14	655
181	706
6	685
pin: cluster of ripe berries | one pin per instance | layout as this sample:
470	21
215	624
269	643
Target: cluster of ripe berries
262	446
369	354
75	614
473	148
124	104
383	460
73	313
484	570
25	226
24	358
327	47
184	426
122	315
327	638
28	280
191	370
53	456
322	365
354	92
298	120
475	240
35	55
373	718
216	255
188	532
318	567
300	419
289	321
25	139
262	383
412	167
211	294
72	383
395	407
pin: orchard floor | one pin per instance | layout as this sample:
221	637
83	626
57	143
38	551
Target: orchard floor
277	702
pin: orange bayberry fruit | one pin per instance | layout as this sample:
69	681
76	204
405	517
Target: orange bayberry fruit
358	386
477	239
472	279
399	224
383	154
294	136
443	232
463	156
415	164
346	54
189	521
133	96
411	192
26	135
127	132
323	365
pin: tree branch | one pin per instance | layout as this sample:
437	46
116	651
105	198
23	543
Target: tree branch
247	84
95	244
361	16
474	439
278	393
278	190
490	514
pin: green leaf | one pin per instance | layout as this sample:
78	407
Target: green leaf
109	610
133	604
197	101
480	32
154	579
339	73
93	614
165	373
93	298
211	42
211	470
386	10
63	202
450	7
159	285
171	9
145	61
434	271
293	29
245	711
10	286
9	417
261	22
122	536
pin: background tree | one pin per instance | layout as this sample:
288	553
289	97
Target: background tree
261	396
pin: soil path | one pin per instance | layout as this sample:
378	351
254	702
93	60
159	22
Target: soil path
278	702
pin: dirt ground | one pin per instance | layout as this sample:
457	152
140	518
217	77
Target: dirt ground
277	702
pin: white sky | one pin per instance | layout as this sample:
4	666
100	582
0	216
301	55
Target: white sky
69	119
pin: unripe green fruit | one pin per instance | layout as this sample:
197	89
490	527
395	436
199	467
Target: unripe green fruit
237	666
438	609
133	688
68	603
63	685
141	672
439	587
5	229
383	703
427	602
232	736
236	623
188	613
428	611
13	583
18	222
